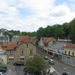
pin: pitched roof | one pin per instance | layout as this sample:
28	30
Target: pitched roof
48	39
69	45
25	39
10	46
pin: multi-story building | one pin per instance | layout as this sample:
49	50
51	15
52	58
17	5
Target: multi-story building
4	38
21	50
69	53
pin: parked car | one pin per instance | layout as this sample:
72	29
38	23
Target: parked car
65	73
51	61
1	73
19	63
3	68
28	71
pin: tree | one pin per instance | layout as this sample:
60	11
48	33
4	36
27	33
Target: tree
72	34
37	64
66	29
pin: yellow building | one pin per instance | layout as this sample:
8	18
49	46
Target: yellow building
21	50
69	53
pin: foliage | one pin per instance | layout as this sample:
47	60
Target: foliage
72	34
37	64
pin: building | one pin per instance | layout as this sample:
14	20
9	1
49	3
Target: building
4	38
69	53
46	42
3	56
21	50
15	38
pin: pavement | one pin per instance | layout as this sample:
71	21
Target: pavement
14	70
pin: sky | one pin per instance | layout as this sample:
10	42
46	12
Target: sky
29	15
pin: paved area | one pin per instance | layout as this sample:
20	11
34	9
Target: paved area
14	70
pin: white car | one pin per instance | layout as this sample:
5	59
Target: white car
1	73
51	61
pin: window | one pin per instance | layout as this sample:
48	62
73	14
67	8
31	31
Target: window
22	52
27	44
10	52
69	53
11	58
65	52
72	53
21	57
31	52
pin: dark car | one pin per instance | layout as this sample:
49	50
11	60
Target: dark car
65	73
3	68
19	63
28	71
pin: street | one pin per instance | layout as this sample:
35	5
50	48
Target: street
14	70
58	67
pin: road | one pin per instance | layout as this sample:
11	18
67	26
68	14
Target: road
59	67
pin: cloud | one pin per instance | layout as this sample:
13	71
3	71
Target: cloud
29	15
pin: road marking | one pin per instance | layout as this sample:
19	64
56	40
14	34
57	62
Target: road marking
52	70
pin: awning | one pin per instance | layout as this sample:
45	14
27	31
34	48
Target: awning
11	57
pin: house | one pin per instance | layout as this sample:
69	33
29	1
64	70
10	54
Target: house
3	56
21	50
4	38
46	41
15	38
69	53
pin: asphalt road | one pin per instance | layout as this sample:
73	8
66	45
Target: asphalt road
59	67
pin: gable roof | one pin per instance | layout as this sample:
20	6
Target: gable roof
48	39
69	45
25	39
10	46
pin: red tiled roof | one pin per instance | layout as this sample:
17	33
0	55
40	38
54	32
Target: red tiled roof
69	45
48	39
11	45
25	39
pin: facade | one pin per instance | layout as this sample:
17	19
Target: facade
15	38
3	56
69	53
46	42
20	50
3	36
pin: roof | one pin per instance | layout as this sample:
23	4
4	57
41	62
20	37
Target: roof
11	45
69	45
25	39
48	39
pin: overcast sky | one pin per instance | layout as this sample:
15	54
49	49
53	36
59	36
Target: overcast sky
29	15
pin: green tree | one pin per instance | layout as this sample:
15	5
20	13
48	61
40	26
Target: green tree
72	34
41	33
66	29
37	64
